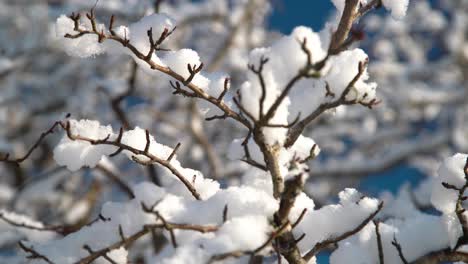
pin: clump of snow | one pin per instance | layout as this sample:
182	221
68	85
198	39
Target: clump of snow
214	88
399	206
157	22
138	36
129	216
453	228
328	221
303	148
178	61
249	210
78	153
84	46
313	42
205	187
344	67
286	59
239	200
5	64
119	255
113	47
136	138
251	92
417	236
349	195
232	235
88	45
396	7
217	82
451	171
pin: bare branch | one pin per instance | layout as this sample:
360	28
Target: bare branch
225	89
168	225
116	179
399	249
259	72
368	7
105	256
225	213
173	152
148	141
193	70
51	130
117	100
443	256
299	219
33	254
379	242
346	22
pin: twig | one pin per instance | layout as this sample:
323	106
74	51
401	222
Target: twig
33	254
379	241
173	152
111	175
299	219
332	240
105	256
225	213
399	249
58	229
116	101
6	157
259	72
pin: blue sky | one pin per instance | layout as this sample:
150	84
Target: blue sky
288	14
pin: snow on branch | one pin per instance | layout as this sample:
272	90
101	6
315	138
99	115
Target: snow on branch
86	142
135	44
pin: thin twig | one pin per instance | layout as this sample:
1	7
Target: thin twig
399	249
332	240
379	241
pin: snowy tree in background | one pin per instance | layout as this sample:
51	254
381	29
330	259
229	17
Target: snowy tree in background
189	133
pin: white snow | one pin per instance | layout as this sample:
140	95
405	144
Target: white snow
451	171
84	46
77	153
396	7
